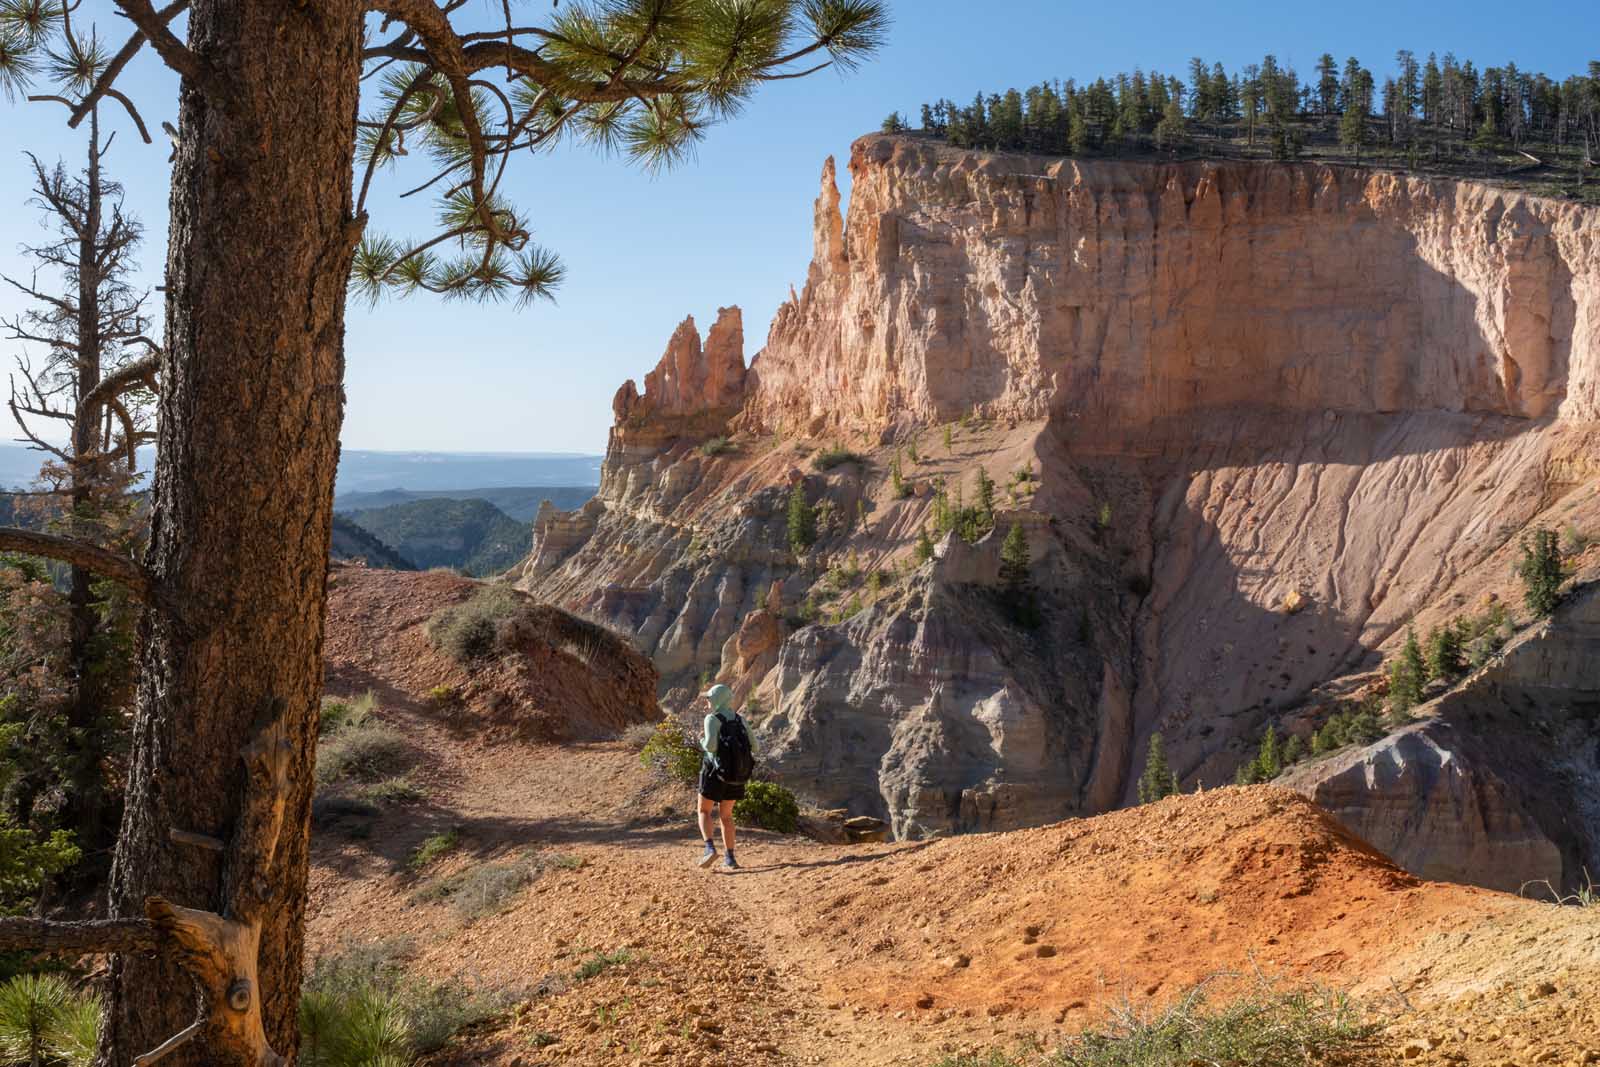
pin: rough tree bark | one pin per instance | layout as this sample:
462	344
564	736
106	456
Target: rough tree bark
251	403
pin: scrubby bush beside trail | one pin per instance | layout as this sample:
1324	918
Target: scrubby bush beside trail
370	752
467	631
361	1008
672	753
1267	1028
339	713
769	806
486	888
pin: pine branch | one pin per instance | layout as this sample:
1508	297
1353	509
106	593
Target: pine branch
139	372
102	561
77	938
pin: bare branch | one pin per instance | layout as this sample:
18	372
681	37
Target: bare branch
77	938
133	113
118	61
129	376
173	52
102	561
171	1044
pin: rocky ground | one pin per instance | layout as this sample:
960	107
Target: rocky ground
621	951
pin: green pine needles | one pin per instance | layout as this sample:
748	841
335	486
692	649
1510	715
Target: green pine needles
1158	780
43	1020
1540	571
1407	675
802	520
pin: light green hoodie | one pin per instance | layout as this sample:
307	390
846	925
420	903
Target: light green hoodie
721	698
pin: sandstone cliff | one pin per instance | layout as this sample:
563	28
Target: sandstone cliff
1112	293
1267	415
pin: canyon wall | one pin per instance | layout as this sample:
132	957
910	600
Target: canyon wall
1269	415
1115	293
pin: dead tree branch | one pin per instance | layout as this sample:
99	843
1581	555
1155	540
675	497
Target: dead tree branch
102	561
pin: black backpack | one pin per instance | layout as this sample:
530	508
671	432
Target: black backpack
735	761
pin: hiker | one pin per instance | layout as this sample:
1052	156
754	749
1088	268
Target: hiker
725	765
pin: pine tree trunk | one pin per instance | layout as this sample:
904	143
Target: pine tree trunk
250	408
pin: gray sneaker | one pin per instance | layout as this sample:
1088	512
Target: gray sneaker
729	863
709	856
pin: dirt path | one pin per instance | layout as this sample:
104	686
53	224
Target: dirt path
900	954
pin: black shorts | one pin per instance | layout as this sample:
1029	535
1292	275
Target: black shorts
712	787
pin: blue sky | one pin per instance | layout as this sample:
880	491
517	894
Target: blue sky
733	226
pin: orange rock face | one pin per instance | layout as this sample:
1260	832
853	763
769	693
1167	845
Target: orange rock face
692	378
1125	294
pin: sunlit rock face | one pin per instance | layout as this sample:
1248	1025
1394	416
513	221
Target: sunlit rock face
1132	293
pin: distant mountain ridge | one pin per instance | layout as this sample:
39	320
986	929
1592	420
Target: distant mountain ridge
363	470
473	536
367	471
519	502
351	542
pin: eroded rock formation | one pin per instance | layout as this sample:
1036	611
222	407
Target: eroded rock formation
1499	783
1253	419
1111	293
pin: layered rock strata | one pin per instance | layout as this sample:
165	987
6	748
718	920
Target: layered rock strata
1499	783
1114	293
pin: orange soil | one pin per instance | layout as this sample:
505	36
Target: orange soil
903	953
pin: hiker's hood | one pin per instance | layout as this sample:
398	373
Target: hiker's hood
721	697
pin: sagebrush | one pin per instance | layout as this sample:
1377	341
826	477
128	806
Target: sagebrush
769	806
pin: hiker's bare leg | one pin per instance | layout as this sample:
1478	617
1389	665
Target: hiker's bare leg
706	807
727	824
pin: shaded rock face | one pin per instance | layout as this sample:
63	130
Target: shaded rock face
1500	784
1270	415
1126	293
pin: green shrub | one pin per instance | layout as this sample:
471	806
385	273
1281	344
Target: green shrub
340	714
1485	634
44	1020
769	806
836	456
392	791
599	963
716	446
1158	780
483	889
432	847
467	631
802	520
1445	651
1356	724
672	752
1266	1029
362	1009
369	752
442	696
1407	674
924	546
